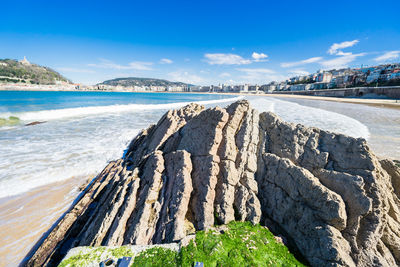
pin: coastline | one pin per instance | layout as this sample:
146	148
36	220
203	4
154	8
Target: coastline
65	190
385	103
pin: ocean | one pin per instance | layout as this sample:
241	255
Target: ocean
81	133
42	166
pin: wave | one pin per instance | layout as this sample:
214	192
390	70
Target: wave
312	117
55	114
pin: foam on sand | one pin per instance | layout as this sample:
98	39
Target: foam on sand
312	117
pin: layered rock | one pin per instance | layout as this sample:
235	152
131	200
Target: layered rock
329	193
195	168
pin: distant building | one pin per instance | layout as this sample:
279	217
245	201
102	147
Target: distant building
25	61
324	77
244	88
298	87
268	87
373	76
395	74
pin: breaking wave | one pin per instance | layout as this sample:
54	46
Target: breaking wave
55	114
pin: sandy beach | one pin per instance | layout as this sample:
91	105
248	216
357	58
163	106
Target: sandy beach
384	103
38	210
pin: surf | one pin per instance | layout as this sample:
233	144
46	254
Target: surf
55	114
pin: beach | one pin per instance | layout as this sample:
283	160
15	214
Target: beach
42	174
385	103
26	217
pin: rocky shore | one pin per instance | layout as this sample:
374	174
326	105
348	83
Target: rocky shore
328	194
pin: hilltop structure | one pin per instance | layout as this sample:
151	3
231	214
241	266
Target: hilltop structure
25	61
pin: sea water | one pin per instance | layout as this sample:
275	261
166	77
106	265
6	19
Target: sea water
82	132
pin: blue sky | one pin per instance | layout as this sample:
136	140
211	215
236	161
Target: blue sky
200	42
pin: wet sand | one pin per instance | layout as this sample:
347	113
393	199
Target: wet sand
383	103
24	218
386	103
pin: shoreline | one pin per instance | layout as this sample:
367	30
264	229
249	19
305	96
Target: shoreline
375	102
385	103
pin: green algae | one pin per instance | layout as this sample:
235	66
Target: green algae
84	259
157	256
243	244
240	244
11	121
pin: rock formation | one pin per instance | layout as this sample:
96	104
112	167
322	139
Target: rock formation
326	192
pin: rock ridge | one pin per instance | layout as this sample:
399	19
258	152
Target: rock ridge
197	167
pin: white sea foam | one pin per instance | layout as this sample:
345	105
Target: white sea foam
52	152
312	117
46	115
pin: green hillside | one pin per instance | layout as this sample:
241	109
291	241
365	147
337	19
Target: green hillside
134	81
13	71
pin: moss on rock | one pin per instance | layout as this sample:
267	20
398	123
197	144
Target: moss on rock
239	244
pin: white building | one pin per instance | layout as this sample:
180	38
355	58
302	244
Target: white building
25	61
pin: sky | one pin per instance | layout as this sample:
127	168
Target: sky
199	42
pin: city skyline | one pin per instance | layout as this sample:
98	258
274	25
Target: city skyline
207	43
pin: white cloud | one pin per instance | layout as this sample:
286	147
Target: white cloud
226	59
259	76
388	56
75	70
225	74
135	65
342	61
341	53
186	77
301	62
259	57
264	71
233	59
166	61
298	72
336	46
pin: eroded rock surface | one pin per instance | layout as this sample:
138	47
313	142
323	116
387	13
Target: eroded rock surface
329	193
195	168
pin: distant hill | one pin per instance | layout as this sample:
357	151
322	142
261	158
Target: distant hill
13	71
134	81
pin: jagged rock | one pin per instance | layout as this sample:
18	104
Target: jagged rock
326	194
359	226
237	188
155	136
394	171
171	225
